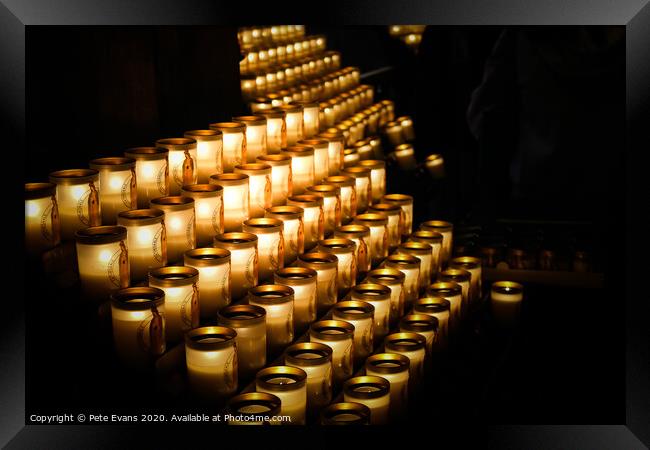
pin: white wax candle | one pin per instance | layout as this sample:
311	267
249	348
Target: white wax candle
313	218
394	280
249	322
276	134
394	369
378	224
326	266
235	199
42	228
77	195
335	150
179	225
422	324
234	143
277	301
281	177
183	167
304	283
302	167
270	245
409	265
243	261
255	136
395	221
209	153
405	156
506	298
338	335
181	299
151	173
363	186
361	315
260	187
293	399
424	253
294	230
119	186
375	396
438	308
213	265
377	177
294	123
379	297
321	157
406	203
412	346
208	209
316	360
146	242
331	204
446	229
473	266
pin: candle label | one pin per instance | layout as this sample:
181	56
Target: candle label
188	168
311	305
189	230
154	329
326	384
159	245
346	360
268	197
242	155
289	325
321	223
331	288
224	285
384	250
283	134
190	309
337	212
217	217
251	269
366	339
117	269
82	208
362	254
289	182
301	236
230	369
162	179
128	192
353	202
401	224
47	221
276	257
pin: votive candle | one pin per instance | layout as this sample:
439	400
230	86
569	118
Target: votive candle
243	261
146	240
249	322
234	143
213	265
209	152
236	206
183	167
270	244
304	282
151	172
180	231
77	196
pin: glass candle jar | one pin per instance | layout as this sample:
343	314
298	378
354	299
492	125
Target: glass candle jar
253	408
378	296
234	143
406	203
423	325
446	229
255	136
394	280
138	325
209	152
213	265
360	235
345	413
393	132
436	165
302	167
438	307
395	224
313	217
146	241
42	223
331	204
270	245
350	158
407	128
326	266
180	225
310	120
361	176
335	150
364	149
316	360
361	315
377	176
249	322
347	185
152	173
405	156
394	368
375	143
119	187
103	261
260	104
243	261
183	167
321	156
208	210
260	186
304	282
473	266
345	251
372	391
434	239
77	196
409	265
211	359
462	278
289	384
281	177
293	121
236	206
180	285
505	302
424	253
276	130
278	301
413	346
339	336
378	224
294	230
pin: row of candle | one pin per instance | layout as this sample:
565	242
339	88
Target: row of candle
252	36
266	56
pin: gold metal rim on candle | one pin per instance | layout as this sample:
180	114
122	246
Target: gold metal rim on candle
378	276
357	172
373	163
195	338
204	135
250	120
313	142
207	256
241	401
290	108
291	354
400	362
106	234
329	414
392	124
340	310
426	236
262	225
325	190
455	275
336	245
340	180
332	137
350	151
507	287
298	151
465	262
386	208
437	225
372	218
271	113
238	316
404	341
74	176
299	377
140	217
174	276
403	119
177	143
433	157
203	190
318	330
147	153
402	260
370	292
418	248
304	104
172	203
403	147
431	304
235	240
39	190
253	169
295	276
381	384
418	322
306	200
138	298
319	260
229	179
275	160
112	163
353	231
286	212
271	294
444	289
229	127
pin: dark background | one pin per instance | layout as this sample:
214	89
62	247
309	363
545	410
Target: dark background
96	91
